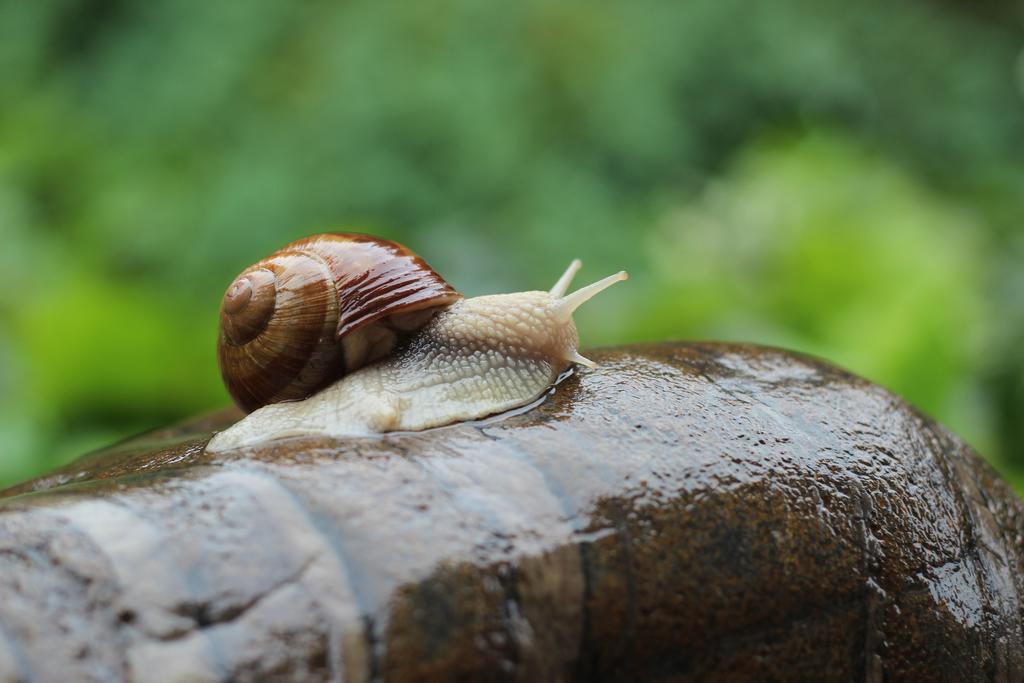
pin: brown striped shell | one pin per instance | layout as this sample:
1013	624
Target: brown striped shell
317	309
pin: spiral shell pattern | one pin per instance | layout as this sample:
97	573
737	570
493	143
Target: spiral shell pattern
284	320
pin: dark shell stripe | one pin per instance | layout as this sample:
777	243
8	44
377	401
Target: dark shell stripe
313	321
327	286
771	518
245	313
369	273
267	366
390	291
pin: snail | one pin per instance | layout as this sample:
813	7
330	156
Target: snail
350	335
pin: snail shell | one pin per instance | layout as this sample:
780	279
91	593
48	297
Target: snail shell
319	308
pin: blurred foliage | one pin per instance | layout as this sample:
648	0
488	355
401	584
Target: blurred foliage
841	178
817	245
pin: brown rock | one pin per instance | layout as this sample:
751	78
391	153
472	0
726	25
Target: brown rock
686	512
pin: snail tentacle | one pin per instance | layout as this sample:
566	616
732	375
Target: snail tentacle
570	303
562	286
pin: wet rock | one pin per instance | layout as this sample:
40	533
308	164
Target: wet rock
685	512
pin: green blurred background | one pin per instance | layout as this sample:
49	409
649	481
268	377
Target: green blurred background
842	178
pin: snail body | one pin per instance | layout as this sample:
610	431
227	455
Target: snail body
462	359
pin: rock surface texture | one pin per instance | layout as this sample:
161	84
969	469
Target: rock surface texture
685	512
